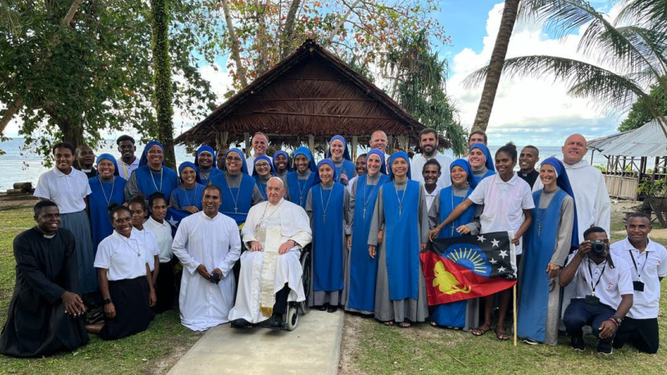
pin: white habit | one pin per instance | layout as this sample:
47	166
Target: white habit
294	225
215	243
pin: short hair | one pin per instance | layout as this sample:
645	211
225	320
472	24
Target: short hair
115	207
259	133
509	149
378	131
534	148
428	131
432	162
208	187
66	145
486	140
39	206
139	199
638	214
124	137
155	196
593	229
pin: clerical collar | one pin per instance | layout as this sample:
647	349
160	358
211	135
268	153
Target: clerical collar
48	236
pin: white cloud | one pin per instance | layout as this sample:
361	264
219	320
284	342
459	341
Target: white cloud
528	110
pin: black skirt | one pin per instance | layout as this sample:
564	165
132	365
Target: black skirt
165	288
133	311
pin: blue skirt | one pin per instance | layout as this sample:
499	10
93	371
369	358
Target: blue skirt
79	225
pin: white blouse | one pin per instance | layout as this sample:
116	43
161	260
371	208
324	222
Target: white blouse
124	258
68	191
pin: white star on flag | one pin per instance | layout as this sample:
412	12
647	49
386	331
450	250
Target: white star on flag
503	253
493	261
495	242
173	222
481	238
501	269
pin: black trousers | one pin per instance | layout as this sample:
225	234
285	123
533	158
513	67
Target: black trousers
165	287
641	333
579	313
280	307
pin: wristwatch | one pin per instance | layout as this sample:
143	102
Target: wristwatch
617	319
107	301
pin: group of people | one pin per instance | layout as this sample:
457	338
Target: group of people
116	239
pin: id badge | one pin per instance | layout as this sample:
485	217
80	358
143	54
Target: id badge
592	300
638	286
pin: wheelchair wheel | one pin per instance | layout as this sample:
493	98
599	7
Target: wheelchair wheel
305	279
292	318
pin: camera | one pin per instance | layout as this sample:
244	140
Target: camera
598	247
215	278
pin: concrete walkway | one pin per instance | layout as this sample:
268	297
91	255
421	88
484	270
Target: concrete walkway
313	348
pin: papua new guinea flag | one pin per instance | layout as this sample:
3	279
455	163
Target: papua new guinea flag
461	268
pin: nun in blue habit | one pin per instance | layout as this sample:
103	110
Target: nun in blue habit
282	165
549	240
263	174
340	155
106	188
205	162
361	269
300	180
327	206
188	196
455	314
481	163
400	290
239	191
151	176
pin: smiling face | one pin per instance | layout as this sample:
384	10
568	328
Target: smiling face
527	159
211	201
126	149
301	163
477	159
63	158
259	144
431	173
574	149
48	219
85	156
280	162
459	176
189	176
106	169
400	168
122	222
379	140
638	228
548	176
360	165
373	164
159	209
505	165
275	190
263	168
337	149
326	174
205	160
233	163
138	214
155	157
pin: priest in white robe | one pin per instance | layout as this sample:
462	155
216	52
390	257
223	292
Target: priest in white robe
274	234
208	244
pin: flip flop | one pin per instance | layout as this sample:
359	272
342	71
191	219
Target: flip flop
479	331
433	324
404	325
389	323
502	336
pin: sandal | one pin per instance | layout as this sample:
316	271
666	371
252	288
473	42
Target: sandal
404	325
502	336
433	324
389	323
480	331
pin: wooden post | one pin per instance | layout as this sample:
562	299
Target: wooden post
248	144
311	143
515	317
355	141
221	141
390	144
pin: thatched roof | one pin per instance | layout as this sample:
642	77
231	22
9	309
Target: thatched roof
310	92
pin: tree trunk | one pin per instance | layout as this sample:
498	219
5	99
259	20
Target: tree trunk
162	79
236	52
10	112
286	38
260	13
496	65
72	130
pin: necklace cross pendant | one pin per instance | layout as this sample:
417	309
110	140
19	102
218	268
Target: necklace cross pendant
400	210
236	210
324	218
364	215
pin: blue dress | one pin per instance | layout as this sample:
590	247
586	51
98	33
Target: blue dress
348	167
149	181
298	189
183	197
102	195
328	224
236	201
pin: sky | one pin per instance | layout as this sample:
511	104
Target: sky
526	111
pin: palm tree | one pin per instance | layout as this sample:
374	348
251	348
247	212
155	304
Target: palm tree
630	52
496	65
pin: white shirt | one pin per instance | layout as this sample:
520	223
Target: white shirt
162	233
148	241
614	282
504	203
417	165
652	264
125	170
250	163
430	197
68	191
124	258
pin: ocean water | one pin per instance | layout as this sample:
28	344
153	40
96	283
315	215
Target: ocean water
19	165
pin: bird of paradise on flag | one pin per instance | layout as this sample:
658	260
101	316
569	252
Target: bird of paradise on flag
466	267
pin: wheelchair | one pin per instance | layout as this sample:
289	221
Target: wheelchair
291	317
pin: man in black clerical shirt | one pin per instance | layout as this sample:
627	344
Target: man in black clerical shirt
527	160
46	313
85	158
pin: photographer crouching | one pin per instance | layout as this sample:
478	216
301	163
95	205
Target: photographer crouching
603	291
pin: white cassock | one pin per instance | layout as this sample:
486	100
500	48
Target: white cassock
215	243
294	225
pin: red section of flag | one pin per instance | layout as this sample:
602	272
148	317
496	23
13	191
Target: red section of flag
448	282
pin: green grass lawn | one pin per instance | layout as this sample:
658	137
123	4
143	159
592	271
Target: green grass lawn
152	351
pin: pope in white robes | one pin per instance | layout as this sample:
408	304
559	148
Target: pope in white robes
208	244
274	233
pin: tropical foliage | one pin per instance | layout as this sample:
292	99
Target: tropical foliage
640	114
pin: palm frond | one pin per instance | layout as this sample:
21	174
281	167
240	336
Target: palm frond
609	91
650	44
651	14
560	17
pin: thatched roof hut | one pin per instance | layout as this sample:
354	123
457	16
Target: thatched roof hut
305	99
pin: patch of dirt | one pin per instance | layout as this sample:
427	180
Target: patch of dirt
164	364
352	336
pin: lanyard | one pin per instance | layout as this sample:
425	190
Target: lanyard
639	272
590	272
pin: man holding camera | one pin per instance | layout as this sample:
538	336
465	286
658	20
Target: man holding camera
648	265
208	244
603	291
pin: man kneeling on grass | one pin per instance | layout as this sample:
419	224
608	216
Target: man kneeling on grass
603	291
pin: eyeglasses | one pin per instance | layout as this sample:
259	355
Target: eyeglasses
262	165
158	152
231	158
